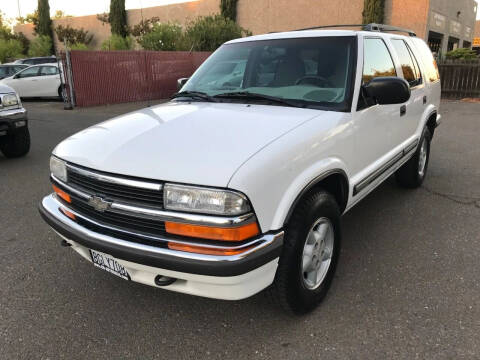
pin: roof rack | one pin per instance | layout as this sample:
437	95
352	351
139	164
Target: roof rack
365	27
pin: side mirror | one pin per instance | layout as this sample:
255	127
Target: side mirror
388	90
16	77
181	82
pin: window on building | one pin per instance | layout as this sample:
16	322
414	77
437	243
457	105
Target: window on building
467	44
435	41
453	43
409	64
377	60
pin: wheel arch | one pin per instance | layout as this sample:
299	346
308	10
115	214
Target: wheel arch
334	181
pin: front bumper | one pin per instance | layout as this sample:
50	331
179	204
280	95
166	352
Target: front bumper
9	120
232	277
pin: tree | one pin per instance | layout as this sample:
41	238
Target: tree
40	46
373	11
44	26
228	9
29	19
207	33
461	53
144	26
9	49
118	18
67	34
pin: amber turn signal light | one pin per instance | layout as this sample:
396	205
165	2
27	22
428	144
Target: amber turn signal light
205	250
62	194
238	233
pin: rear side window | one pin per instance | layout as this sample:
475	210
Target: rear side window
431	68
48	70
377	60
411	71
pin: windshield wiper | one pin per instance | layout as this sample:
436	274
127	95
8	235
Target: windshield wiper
194	94
256	96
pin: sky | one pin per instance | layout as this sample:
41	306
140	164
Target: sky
75	7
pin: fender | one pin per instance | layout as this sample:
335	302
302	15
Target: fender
303	183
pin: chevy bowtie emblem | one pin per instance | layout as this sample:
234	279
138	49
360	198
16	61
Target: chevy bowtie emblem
98	203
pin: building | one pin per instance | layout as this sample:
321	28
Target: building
476	38
445	24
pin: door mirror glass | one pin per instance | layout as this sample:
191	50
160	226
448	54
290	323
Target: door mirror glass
387	90
181	82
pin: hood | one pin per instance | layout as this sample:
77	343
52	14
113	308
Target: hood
5	89
195	143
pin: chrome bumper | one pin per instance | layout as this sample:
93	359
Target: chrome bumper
258	251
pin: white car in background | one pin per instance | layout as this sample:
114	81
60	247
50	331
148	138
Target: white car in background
36	81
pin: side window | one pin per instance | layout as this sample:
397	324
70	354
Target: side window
48	70
29	72
410	69
431	68
377	60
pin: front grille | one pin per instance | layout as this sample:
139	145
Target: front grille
110	191
125	222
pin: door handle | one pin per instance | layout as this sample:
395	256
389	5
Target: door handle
403	110
424	99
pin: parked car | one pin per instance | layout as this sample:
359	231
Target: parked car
36	81
236	186
37	60
14	134
7	70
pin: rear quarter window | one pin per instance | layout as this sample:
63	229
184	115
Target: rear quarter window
423	53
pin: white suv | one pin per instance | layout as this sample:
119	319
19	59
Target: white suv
238	183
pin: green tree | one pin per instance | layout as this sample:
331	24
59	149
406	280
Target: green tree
67	34
228	9
373	11
144	26
209	32
40	46
44	26
118	18
162	37
10	49
60	14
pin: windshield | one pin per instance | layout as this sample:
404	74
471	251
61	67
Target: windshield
312	72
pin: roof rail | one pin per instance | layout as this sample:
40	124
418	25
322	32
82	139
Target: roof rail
365	27
382	27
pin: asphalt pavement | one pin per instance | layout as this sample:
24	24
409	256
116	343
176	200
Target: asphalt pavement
407	285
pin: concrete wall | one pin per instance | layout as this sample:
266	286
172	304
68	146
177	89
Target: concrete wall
261	16
452	19
410	14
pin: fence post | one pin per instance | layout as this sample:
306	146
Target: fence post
70	77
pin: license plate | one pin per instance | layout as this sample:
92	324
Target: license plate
108	263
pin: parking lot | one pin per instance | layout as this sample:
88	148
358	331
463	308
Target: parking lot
407	285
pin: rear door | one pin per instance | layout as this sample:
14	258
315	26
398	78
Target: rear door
415	106
48	81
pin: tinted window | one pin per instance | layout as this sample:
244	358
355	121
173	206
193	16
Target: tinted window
48	70
3	71
377	60
29	61
33	71
410	69
310	71
431	69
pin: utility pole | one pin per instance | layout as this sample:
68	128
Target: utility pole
19	12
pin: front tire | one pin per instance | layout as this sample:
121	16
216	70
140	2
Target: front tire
310	253
414	171
16	144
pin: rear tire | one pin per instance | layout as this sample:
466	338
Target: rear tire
16	144
302	280
414	171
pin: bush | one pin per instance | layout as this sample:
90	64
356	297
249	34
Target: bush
40	46
78	46
209	32
116	42
67	34
162	37
10	49
144	26
461	54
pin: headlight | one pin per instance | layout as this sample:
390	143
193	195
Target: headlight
58	168
204	200
9	100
